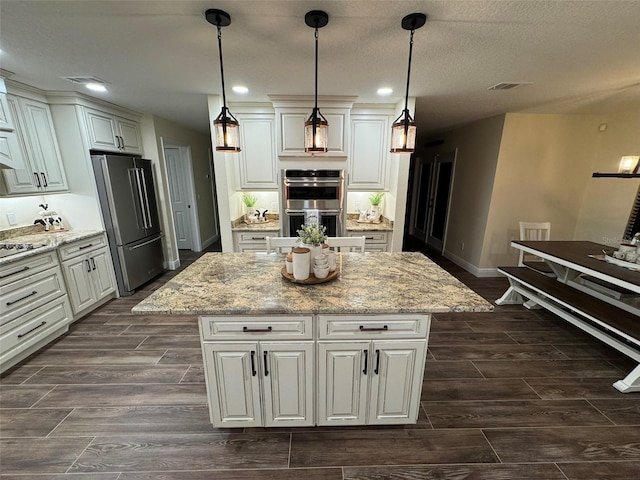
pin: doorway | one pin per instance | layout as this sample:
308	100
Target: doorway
181	192
428	204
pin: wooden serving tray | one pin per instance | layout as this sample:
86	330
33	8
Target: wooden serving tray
312	280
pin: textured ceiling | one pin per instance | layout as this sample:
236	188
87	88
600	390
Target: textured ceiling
161	56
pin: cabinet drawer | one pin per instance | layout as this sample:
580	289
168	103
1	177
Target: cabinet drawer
26	294
354	327
14	271
372	237
255	236
73	249
34	326
256	328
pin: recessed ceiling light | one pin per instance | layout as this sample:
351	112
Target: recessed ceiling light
385	91
240	89
96	87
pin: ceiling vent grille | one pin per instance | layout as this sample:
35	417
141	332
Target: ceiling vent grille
508	85
84	79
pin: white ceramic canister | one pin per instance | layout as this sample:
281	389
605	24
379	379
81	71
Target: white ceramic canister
289	263
301	263
331	255
315	251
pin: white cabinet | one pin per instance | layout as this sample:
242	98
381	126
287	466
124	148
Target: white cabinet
112	132
257	168
10	151
252	241
35	308
88	272
266	382
368	162
291	131
6	119
374	241
42	170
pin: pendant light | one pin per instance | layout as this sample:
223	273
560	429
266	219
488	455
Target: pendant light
316	129
403	130
226	127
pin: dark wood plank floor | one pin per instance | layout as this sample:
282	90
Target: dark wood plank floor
514	394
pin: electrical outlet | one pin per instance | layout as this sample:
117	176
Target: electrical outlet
11	218
274	207
358	205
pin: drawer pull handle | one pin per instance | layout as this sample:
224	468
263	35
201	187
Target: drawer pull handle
369	238
366	361
258	238
253	363
384	328
33	329
13	273
377	362
266	368
85	246
23	298
252	330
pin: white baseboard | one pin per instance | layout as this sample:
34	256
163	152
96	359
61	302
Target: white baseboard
469	267
172	265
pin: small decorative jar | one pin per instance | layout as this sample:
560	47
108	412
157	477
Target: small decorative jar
289	263
301	263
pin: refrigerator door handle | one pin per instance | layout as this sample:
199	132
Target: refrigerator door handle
145	243
140	197
146	199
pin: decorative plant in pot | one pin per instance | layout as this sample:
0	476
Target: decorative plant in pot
375	199
249	201
312	236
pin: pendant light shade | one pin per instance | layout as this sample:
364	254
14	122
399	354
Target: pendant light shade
226	127
403	130
316	128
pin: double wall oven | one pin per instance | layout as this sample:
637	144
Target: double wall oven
313	196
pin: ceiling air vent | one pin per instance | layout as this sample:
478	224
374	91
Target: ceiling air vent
84	79
508	85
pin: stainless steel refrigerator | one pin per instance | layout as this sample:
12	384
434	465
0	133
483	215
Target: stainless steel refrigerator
130	212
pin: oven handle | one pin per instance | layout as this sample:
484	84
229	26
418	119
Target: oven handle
288	211
311	182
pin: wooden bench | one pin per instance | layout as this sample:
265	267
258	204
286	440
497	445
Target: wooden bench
614	326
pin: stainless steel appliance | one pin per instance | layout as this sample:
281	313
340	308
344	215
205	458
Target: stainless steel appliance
313	196
128	203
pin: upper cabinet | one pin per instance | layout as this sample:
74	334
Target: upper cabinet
10	152
368	163
6	119
112	132
257	168
42	170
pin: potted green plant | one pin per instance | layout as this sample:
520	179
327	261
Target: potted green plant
249	201
312	236
375	199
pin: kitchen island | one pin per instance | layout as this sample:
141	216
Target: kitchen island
347	352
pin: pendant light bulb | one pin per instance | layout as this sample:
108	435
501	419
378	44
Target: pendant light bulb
226	127
403	130
316	128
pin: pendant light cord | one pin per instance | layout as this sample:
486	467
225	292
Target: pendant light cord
224	97
316	80
406	97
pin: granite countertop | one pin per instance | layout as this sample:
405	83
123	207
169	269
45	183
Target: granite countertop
51	241
354	226
369	283
273	225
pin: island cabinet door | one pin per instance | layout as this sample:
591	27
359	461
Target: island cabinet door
233	385
287	377
396	381
343	370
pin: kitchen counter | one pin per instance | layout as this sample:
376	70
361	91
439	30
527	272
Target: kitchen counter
251	284
354	226
273	225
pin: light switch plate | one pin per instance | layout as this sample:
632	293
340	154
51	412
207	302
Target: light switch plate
11	218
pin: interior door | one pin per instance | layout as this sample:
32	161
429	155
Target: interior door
441	191
180	206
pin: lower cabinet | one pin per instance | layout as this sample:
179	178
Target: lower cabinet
374	241
252	241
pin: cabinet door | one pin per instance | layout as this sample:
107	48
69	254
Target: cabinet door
343	371
233	384
6	119
287	372
44	145
396	381
369	152
292	133
130	135
257	166
21	180
77	274
10	153
101	273
102	130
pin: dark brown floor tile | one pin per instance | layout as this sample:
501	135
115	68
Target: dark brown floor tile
40	455
521	413
115	308
495	352
579	352
545	368
103	342
558	388
181	356
92	319
390	447
194	375
578	444
459	326
153	320
122	395
62	476
184	329
601	470
456	472
184	452
469	338
622	411
21	396
443	369
551	338
509	325
160	342
108	374
274	474
135	421
97	357
24	422
520	315
92	329
17	375
476	389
